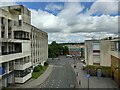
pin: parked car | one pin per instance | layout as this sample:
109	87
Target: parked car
84	65
69	56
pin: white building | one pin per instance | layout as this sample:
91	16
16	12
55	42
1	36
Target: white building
15	45
39	46
98	54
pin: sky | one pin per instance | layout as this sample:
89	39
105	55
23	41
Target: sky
73	21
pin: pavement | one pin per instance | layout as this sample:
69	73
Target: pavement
33	83
94	82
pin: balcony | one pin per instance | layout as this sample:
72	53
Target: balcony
23	79
23	66
25	27
6	58
12	52
21	35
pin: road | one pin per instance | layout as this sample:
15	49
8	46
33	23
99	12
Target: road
62	75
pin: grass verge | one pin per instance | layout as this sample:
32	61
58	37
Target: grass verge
35	75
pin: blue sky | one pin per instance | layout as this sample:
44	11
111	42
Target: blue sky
74	21
42	5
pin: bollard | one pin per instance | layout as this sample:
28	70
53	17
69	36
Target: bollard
79	82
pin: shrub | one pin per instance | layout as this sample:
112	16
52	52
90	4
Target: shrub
45	63
40	66
36	69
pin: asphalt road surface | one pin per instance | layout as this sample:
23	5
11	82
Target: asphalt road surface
62	75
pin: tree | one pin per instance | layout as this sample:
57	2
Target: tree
65	50
55	49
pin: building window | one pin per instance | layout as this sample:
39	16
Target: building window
20	17
96	46
96	58
20	22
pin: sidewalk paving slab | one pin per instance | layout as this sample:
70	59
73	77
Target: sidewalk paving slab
94	81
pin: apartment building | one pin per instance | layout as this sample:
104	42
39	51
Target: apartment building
39	46
21	45
97	57
15	49
115	60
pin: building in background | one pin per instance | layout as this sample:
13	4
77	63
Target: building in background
115	60
15	45
75	49
97	57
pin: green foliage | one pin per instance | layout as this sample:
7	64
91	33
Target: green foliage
54	50
36	69
45	63
35	75
65	50
40	66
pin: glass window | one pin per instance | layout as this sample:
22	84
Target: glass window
96	58
96	46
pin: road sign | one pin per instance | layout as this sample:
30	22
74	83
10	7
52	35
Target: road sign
88	76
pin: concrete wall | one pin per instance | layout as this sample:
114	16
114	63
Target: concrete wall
105	53
23	66
88	53
105	48
23	79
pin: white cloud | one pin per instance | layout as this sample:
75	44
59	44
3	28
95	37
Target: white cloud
53	7
70	26
47	21
104	23
104	7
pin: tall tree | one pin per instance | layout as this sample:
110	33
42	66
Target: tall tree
55	49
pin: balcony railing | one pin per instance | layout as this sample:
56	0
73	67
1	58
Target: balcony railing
11	52
22	38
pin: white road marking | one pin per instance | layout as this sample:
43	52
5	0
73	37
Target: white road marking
53	81
59	82
46	83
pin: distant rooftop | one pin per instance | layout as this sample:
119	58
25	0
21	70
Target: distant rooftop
72	43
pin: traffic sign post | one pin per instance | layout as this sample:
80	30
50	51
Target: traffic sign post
88	76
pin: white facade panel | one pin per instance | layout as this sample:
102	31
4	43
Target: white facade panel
26	47
10	57
23	79
22	67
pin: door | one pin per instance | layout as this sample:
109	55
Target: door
112	75
99	73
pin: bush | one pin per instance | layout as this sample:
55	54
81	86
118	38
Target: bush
40	66
45	63
36	69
